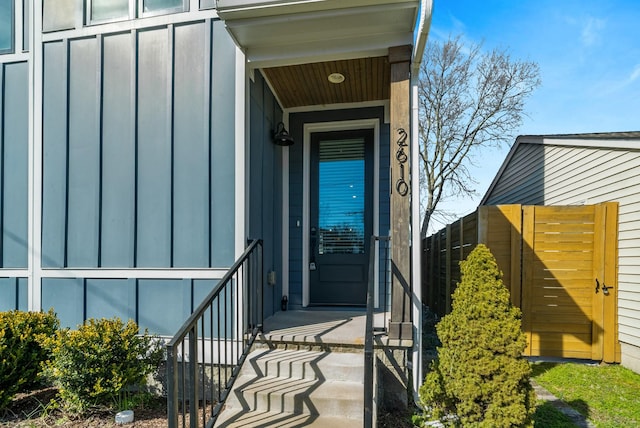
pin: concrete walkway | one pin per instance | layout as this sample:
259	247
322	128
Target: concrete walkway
570	412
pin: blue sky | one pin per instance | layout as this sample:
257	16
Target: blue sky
589	57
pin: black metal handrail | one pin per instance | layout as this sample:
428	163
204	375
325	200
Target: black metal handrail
206	354
369	329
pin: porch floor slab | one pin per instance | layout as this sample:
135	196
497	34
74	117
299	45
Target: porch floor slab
319	327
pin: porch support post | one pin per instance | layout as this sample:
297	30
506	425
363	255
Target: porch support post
400	326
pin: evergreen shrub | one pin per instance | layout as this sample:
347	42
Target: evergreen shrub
480	377
21	354
100	361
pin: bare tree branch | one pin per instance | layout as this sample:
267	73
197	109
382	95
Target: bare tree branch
468	99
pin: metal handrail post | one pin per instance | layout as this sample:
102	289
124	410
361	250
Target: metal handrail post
260	320
193	376
368	342
172	386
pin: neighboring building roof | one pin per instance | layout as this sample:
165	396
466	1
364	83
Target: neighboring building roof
629	140
592	136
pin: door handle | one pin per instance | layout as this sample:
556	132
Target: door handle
313	243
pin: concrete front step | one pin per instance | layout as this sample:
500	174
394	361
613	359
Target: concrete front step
284	420
296	388
306	364
302	396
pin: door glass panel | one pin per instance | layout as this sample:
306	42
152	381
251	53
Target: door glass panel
6	26
341	193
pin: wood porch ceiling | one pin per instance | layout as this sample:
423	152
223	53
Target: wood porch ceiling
366	79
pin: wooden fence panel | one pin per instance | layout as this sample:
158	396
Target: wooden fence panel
500	229
559	263
443	252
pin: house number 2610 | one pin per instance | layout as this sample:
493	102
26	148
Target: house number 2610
401	185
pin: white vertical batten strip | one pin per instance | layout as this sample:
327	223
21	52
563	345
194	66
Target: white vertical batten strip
242	172
240	168
34	234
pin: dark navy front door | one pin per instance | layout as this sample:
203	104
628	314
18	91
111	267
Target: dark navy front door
341	197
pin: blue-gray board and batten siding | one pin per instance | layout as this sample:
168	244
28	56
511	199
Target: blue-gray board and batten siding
14	140
138	149
296	123
14	143
13	294
265	185
159	305
138	152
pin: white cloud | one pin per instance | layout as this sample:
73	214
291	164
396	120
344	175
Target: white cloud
635	74
615	85
591	30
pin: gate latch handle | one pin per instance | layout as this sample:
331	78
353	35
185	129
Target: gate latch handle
605	288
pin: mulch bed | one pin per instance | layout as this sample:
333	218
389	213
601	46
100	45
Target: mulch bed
37	409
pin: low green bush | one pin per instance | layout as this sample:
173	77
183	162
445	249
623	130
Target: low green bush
101	360
21	353
480	378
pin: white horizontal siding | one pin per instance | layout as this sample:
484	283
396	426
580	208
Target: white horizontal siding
629	250
567	175
592	176
630	268
626	337
629	217
626	298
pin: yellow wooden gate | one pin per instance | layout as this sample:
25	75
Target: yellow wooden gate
569	280
560	265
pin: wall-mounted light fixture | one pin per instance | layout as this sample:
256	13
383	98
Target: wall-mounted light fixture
281	137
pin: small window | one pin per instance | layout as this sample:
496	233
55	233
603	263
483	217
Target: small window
6	26
157	7
58	15
109	10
